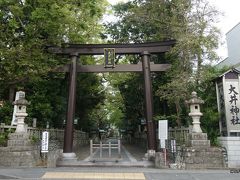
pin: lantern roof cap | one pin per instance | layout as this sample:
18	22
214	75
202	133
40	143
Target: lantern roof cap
21	101
195	99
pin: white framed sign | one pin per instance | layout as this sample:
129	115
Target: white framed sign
163	129
45	138
163	132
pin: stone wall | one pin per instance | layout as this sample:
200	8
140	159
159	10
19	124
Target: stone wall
232	145
21	151
200	155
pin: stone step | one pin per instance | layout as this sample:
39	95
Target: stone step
105	164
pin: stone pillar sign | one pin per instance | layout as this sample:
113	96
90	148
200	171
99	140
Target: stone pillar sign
228	99
228	91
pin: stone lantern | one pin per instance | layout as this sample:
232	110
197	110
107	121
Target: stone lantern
20	150
195	112
21	104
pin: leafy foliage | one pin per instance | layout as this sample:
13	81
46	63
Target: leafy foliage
6	113
27	28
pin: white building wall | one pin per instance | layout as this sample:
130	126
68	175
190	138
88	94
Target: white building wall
232	145
233	43
233	46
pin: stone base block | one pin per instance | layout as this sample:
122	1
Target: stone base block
159	160
18	139
198	140
69	157
150	155
18	143
196	158
198	136
14	136
200	143
19	156
52	158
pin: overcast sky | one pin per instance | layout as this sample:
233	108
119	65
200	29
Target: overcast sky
231	17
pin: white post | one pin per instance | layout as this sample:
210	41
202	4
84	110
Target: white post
119	148
165	156
109	149
100	149
91	147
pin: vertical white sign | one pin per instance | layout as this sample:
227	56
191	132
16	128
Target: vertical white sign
232	104
173	146
163	132
45	137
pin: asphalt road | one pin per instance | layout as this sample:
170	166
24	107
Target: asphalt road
149	173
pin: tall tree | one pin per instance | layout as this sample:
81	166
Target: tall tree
27	28
190	22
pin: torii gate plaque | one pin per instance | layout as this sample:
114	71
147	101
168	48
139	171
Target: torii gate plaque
143	49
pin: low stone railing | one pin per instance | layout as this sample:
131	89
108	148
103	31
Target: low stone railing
56	136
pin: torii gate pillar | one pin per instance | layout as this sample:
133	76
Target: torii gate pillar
68	134
151	131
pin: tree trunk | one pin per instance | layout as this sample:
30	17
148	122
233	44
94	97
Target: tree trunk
11	97
178	111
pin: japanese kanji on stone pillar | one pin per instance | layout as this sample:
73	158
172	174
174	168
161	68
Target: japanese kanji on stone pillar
228	98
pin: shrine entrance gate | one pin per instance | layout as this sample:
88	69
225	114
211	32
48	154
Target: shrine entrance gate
74	51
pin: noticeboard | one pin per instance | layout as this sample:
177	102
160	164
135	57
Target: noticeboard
45	138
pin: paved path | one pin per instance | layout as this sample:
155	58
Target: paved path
112	154
129	150
125	158
149	173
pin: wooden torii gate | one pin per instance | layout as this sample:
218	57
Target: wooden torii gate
109	50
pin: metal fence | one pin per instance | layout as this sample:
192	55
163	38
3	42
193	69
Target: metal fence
106	148
180	134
